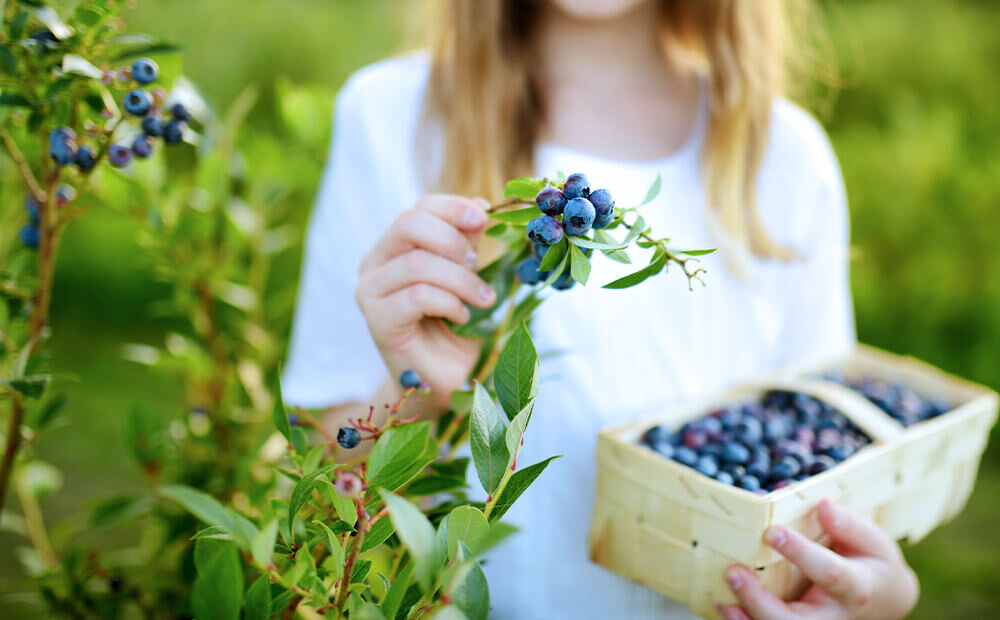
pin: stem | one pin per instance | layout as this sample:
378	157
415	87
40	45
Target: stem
691	275
35	526
364	524
510	202
22	166
492	501
12	444
491	361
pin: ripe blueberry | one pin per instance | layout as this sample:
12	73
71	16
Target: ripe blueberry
409	379
179	112
707	465
32	208
293	420
686	456
664	449
821	464
750	483
655	435
144	71
119	155
538	250
29	235
173	132
85	158
724	477
544	229
62	146
142	147
735	453
551	201
152	126
604	206
578	216
138	102
348	437
785	469
576	186
528	271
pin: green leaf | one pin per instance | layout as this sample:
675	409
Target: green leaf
620	256
379	533
280	417
301	493
523	187
487	432
516	430
516	374
579	265
557	271
206	508
336	551
80	66
654	267
470	591
52	21
697	252
497	230
13	99
212	531
344	506
516	216
399	455
48	412
299	440
638	227
360	571
312	459
654	191
554	255
281	601
151	49
218	589
262	546
498	532
394	595
258	600
517	484
418	535
467	525
584	242
32	386
368	611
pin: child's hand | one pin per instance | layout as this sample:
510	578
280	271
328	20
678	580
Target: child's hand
864	576
423	268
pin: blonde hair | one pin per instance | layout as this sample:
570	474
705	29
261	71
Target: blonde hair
482	92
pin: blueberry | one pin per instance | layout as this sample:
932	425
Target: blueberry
578	216
348	437
707	465
409	379
538	250
686	456
736	471
712	427
293	420
749	431
664	449
750	483
655	435
545	229
551	201
32	208
564	282
138	102
759	468
576	186
821	464
142	147
775	429
62	146
713	449
85	158
724	477
152	126
602	221
730	417
694	438
173	132
64	194
528	271
29	235
144	71
735	453
838	453
179	112
119	155
786	468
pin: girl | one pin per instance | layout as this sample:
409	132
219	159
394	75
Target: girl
621	90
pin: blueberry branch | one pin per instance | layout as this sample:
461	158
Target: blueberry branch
661	244
22	165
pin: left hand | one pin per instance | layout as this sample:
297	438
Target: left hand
864	576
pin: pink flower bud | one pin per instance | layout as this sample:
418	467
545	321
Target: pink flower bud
348	484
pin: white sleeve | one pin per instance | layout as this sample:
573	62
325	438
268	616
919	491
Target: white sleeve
332	358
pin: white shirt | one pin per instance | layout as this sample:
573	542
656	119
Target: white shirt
619	354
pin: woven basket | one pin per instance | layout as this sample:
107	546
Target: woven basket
675	530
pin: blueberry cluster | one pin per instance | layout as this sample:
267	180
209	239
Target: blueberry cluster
896	400
580	210
138	102
762	445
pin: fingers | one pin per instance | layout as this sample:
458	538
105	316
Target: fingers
733	612
855	532
833	572
422	266
754	597
422	228
416	302
466	214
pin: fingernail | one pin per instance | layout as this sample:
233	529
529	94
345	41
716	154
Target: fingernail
486	293
776	537
734	580
471	259
474	217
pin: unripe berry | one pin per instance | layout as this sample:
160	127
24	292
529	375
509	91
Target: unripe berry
144	71
528	271
348	437
138	102
173	132
85	158
142	147
119	155
576	186
551	201
545	229
348	484
409	379
64	194
578	216
152	126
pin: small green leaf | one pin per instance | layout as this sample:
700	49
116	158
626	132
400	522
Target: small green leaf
654	191
262	546
394	595
32	386
258	600
218	589
449	612
80	66
206	508
367	611
399	455
14	100
697	252
302	491
620	256
553	255
515	376
379	533
516	216
311	460
487	432
470	591
499	532
558	271
579	265
517	484
336	551
418	535
523	187
344	506
498	230
516	430
584	242
467	525
654	267
212	531
280	417
360	571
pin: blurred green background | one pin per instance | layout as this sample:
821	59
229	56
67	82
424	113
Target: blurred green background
915	127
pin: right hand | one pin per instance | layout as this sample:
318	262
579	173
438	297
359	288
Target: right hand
421	270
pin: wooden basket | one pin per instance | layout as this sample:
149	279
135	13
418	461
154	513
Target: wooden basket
675	530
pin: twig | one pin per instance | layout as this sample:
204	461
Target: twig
35	526
364	524
510	202
22	165
12	444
